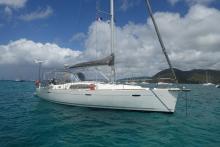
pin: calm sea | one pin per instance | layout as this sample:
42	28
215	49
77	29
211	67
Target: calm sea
26	120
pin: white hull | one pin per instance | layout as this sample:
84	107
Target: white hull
162	100
112	96
163	83
208	84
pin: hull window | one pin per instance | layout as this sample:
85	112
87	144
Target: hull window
136	95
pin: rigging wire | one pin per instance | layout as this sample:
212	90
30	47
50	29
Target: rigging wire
160	39
97	7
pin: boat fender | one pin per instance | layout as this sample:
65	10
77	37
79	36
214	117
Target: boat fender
37	83
92	86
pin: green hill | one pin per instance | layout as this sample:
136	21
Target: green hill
193	76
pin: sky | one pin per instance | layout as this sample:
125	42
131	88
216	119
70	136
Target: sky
68	32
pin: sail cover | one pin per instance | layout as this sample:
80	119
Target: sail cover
109	60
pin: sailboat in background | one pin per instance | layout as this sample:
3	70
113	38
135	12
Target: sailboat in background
207	80
110	95
18	80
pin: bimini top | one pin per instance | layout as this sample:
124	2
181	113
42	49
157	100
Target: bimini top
109	60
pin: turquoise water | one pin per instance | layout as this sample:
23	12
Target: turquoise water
26	120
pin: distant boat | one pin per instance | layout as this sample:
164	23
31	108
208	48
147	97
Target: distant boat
217	86
18	80
207	81
208	84
132	83
144	83
164	83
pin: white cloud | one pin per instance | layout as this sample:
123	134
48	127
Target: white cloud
126	4
39	14
192	42
78	37
192	2
206	2
8	11
24	51
173	2
13	3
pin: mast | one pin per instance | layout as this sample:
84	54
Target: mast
39	62
160	40
39	71
206	76
112	38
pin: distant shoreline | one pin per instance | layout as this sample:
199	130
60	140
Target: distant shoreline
195	76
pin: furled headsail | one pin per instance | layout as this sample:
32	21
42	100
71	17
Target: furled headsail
109	60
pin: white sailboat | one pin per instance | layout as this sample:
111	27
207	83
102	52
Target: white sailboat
207	81
208	84
144	82
109	95
164	83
